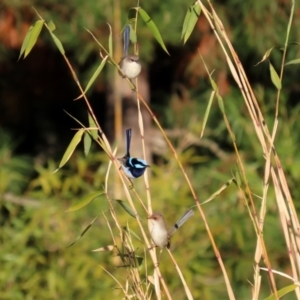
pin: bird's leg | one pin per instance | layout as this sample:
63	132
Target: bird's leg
131	184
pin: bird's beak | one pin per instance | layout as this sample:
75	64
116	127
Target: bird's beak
149	217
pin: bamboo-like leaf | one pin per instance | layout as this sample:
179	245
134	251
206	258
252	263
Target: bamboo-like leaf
266	55
95	75
274	77
151	25
132	233
190	21
207	112
110	42
25	42
33	36
293	62
213	84
75	141
282	292
105	248
132	35
218	191
87	142
92	124
221	104
51	26
58	43
84	232
84	201
127	208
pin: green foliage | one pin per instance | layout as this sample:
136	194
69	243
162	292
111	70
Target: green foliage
15	172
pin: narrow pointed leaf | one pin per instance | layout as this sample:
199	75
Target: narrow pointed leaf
126	208
282	292
51	26
213	84
266	55
95	75
275	78
105	248
58	43
215	194
190	21
84	201
34	34
132	35
110	42
293	62
151	25
132	233
25	42
221	104
87	142
207	113
75	141
92	124
84	232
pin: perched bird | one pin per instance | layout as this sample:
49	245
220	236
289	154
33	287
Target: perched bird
159	233
130	64
132	167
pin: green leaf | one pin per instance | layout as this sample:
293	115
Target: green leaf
92	124
221	104
151	25
282	292
51	26
84	232
84	201
87	142
95	75
274	77
33	36
293	62
25	42
207	113
126	229
110	42
190	21
132	35
75	141
58	43
218	192
266	55
126	208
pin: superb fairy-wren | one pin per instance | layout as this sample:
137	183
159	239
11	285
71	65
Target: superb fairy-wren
159	232
132	167
130	64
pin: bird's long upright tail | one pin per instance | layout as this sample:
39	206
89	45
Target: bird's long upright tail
128	140
181	221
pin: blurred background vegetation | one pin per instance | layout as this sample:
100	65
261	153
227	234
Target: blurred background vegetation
36	262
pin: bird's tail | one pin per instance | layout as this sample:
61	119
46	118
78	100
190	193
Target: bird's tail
126	35
181	221
128	139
